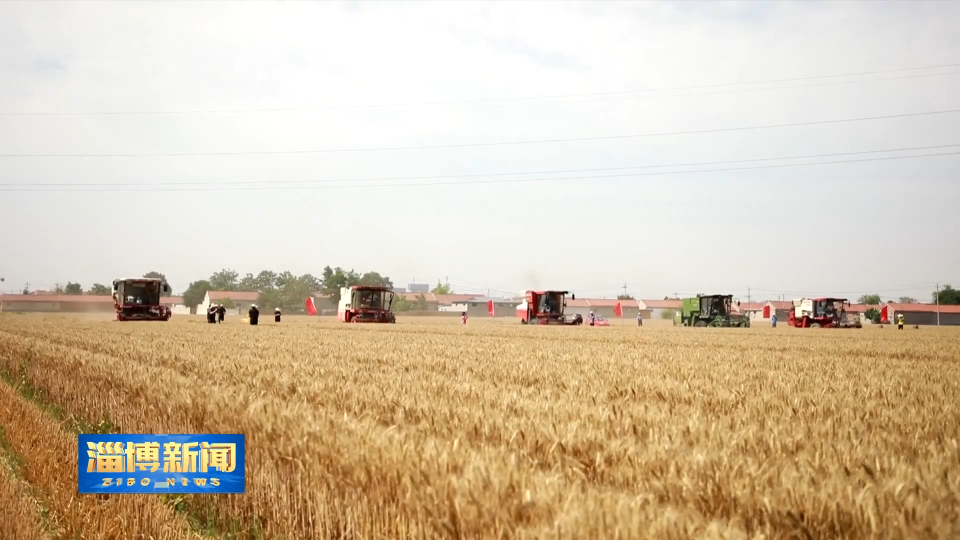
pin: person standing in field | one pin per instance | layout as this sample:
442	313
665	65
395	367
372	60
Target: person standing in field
639	319
212	314
899	321
276	315
593	319
221	313
254	314
463	318
773	320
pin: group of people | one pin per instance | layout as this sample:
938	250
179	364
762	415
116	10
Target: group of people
254	315
216	313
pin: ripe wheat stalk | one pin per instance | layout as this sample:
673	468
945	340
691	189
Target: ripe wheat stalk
430	429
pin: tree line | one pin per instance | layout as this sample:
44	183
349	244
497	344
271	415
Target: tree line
284	290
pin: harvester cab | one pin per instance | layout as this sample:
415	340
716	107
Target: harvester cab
711	310
366	304
822	313
546	307
139	299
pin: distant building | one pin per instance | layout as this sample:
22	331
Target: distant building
478	306
925	314
418	288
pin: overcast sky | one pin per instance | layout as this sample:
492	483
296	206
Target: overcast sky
883	225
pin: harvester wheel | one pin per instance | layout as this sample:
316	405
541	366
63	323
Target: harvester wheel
815	325
700	323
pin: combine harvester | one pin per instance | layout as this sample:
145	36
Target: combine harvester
822	313
546	307
138	299
710	310
366	304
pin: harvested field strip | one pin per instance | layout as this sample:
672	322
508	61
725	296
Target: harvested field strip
50	466
368	433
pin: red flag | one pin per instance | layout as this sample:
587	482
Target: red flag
311	309
884	317
491	309
618	310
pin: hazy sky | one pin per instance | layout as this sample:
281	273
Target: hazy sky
853	227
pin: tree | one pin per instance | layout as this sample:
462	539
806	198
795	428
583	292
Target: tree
374	278
270	298
421	302
625	297
58	288
248	283
99	289
73	288
948	296
336	278
283	278
400	303
872	315
224	280
870	299
442	288
668	313
195	293
266	279
907	300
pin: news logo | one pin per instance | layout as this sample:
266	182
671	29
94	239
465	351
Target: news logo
161	464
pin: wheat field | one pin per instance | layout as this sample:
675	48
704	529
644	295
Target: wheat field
428	429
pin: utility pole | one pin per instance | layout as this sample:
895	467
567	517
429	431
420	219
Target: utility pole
624	289
748	295
938	304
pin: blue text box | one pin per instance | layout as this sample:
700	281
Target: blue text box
179	463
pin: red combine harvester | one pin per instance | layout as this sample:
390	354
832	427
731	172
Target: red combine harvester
366	304
821	313
546	307
138	299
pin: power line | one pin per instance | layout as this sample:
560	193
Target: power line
505	181
499	143
559	171
528	98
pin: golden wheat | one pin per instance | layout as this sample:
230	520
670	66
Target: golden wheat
427	428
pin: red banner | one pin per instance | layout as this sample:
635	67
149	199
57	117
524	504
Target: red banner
311	309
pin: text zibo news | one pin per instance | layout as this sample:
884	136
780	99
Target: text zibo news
180	463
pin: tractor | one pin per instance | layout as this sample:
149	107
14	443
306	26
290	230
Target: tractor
138	299
822	313
546	307
710	310
366	304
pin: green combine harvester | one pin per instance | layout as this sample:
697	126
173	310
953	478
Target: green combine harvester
710	310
